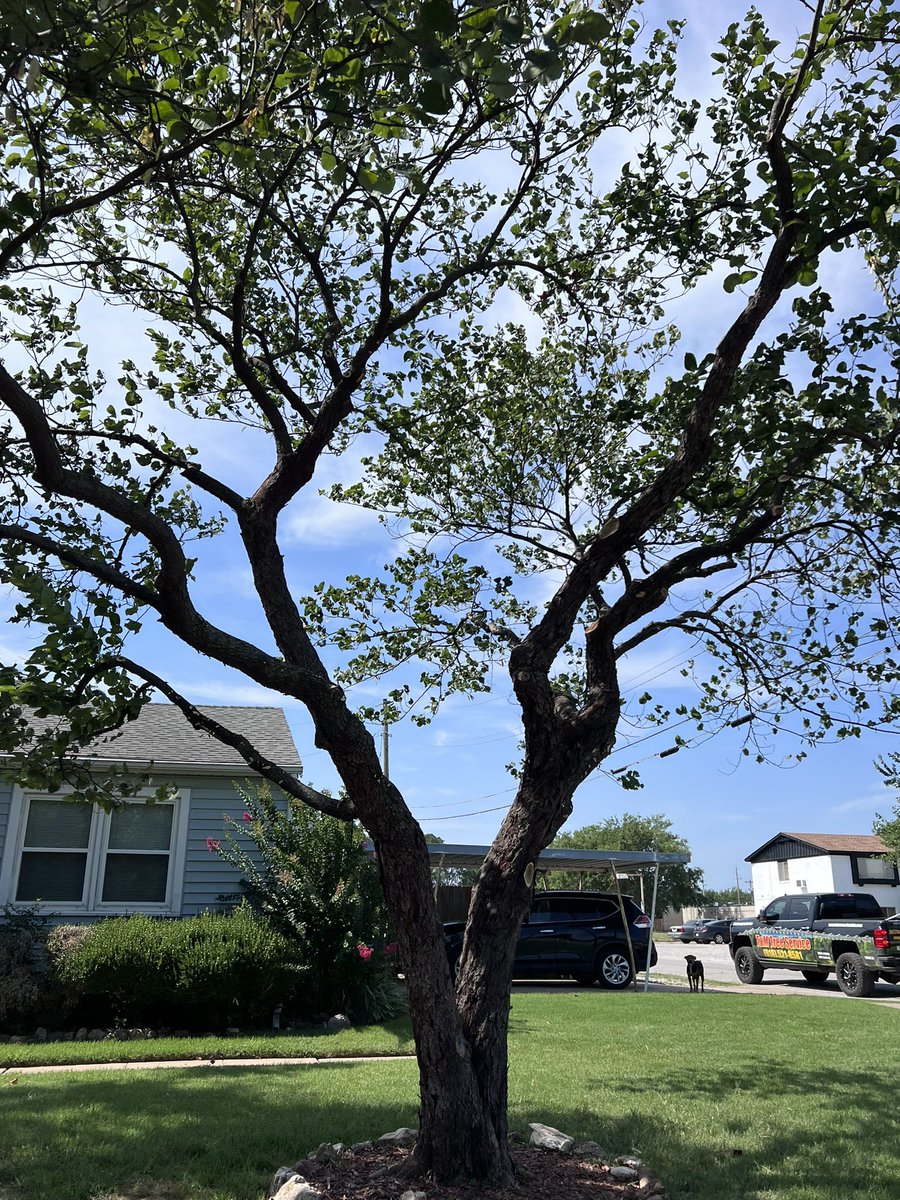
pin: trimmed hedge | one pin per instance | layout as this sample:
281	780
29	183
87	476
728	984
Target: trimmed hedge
208	971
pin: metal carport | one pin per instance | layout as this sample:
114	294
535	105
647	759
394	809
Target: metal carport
588	862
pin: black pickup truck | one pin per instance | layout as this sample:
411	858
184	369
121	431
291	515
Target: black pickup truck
817	933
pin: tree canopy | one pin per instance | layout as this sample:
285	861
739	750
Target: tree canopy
452	242
678	885
888	828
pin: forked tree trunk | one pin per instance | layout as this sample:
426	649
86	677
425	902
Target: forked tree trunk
461	1033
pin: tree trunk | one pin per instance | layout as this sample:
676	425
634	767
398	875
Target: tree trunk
461	1033
461	1139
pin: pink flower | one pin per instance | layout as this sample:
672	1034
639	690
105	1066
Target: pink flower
246	817
365	952
339	888
391	949
212	845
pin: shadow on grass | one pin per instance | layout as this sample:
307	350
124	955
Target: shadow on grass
836	1136
215	1134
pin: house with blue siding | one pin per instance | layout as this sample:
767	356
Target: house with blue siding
82	863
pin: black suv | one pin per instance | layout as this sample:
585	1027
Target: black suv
575	933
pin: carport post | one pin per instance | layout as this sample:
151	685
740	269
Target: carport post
652	923
625	924
437	877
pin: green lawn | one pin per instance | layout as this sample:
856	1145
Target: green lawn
390	1038
728	1097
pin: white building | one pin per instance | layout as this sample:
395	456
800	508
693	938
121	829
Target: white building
824	862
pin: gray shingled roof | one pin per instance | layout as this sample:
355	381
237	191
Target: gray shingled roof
162	734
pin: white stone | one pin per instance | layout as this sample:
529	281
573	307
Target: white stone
297	1189
549	1138
282	1176
411	1195
400	1137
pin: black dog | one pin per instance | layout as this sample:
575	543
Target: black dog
694	973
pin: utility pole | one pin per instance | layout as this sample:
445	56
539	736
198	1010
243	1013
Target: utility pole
385	737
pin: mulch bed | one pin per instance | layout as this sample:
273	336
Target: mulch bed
542	1175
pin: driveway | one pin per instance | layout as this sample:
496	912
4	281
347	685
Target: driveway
718	967
669	975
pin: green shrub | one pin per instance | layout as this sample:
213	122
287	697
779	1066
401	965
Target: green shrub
205	971
310	877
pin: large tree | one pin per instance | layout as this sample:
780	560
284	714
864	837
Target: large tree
677	885
296	198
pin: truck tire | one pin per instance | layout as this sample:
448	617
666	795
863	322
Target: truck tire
815	976
613	969
747	966
853	976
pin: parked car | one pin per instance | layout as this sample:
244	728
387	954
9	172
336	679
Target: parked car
685	932
578	934
718	931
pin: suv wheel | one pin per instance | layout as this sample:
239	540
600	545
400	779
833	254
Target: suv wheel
719	939
614	969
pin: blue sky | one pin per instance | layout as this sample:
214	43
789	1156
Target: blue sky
453	771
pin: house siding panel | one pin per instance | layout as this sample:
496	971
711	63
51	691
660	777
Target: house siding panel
206	875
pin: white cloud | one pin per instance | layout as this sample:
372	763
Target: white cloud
871	803
314	519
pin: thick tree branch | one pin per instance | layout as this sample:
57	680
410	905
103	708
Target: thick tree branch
270	770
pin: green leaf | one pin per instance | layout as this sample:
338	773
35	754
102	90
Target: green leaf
435	97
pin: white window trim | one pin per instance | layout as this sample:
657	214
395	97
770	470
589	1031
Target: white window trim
96	854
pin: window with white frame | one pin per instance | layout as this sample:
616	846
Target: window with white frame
783	870
78	856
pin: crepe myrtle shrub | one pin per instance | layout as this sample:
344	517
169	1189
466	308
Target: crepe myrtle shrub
308	875
214	969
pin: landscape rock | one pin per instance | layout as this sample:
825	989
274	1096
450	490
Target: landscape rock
96	1035
338	1021
296	1189
548	1138
282	1176
400	1137
623	1174
650	1183
411	1195
629	1160
590	1150
325	1153
81	1034
40	1034
358	1147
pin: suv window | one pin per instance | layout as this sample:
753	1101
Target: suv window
552	910
591	909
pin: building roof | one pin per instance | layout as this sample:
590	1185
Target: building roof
161	734
553	859
830	843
